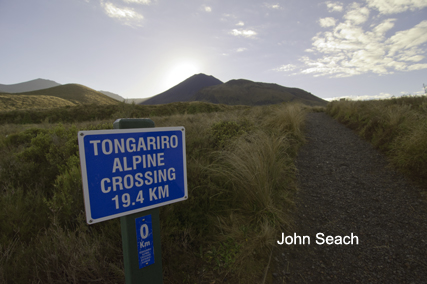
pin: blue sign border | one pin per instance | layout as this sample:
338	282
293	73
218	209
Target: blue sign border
99	170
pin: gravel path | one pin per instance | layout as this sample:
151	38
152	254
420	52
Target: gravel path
346	187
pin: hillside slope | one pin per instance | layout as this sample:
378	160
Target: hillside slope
113	96
28	86
246	92
63	95
184	91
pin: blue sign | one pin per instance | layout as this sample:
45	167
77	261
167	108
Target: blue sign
144	238
125	171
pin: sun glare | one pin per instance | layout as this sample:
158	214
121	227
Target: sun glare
179	73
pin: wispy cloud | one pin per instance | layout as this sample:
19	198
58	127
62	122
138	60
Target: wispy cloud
145	2
285	68
207	9
241	49
273	6
381	96
356	14
396	6
334	6
240	24
244	33
327	22
126	15
348	48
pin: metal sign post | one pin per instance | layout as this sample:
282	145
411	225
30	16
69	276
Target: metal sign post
129	172
133	273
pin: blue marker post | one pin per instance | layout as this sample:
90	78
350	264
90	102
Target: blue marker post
142	251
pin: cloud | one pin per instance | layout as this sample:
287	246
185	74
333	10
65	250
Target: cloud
208	9
285	68
327	22
273	6
244	33
334	6
126	15
241	49
408	40
381	96
396	6
348	48
145	2
356	14
240	24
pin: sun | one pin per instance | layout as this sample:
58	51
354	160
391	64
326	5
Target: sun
180	72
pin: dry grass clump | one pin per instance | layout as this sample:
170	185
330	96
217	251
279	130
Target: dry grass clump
257	175
409	150
287	119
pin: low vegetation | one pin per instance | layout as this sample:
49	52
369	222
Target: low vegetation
397	127
240	178
95	112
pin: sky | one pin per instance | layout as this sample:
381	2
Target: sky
139	48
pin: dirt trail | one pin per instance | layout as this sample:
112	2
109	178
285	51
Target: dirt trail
347	187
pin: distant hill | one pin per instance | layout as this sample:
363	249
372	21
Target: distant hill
113	95
40	84
245	92
28	86
184	91
63	95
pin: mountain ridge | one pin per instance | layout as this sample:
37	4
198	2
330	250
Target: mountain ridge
243	91
201	87
185	90
41	84
62	95
28	86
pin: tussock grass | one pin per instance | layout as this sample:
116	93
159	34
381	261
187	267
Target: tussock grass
24	102
240	177
288	119
257	176
395	126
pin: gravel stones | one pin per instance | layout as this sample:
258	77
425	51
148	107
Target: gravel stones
347	187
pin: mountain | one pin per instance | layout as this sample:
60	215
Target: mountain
62	95
40	84
28	86
184	91
245	92
113	95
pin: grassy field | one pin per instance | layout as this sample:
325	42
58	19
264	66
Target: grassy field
241	180
25	102
95	112
397	127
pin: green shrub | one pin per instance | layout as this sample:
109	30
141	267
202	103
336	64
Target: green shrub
44	159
